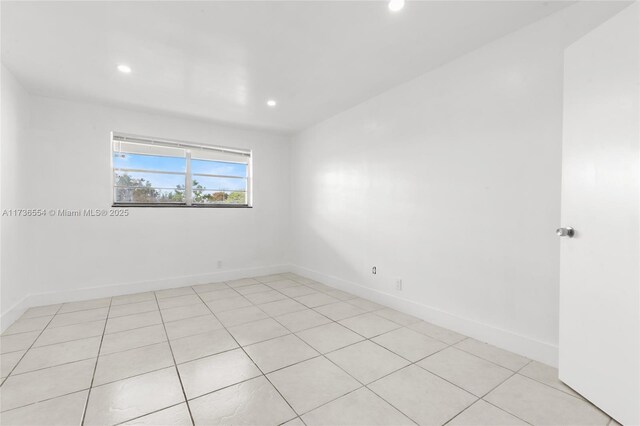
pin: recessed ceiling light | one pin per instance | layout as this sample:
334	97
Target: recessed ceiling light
124	68
396	5
272	103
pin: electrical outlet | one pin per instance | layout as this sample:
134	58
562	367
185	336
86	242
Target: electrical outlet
219	264
399	284
374	270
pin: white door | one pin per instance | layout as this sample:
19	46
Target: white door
600	265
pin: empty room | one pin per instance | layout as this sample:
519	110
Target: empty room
376	212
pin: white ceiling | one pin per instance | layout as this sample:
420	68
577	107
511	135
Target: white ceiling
222	60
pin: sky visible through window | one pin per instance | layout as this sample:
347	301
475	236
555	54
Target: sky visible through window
175	164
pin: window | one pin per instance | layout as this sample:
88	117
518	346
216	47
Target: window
159	172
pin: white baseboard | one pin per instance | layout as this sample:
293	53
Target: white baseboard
50	298
505	339
13	313
514	342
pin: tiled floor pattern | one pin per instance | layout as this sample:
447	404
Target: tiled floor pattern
279	349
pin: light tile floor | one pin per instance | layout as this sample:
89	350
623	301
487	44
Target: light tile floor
278	349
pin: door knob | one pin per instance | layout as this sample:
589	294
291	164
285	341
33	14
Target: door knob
565	232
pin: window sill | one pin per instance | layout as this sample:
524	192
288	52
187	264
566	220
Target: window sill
181	206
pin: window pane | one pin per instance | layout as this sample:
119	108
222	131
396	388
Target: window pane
219	197
150	171
149	162
147	195
218	168
220	184
148	187
156	180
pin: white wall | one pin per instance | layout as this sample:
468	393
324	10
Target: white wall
14	109
68	167
451	182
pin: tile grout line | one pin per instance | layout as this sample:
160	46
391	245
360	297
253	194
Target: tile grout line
276	319
324	356
579	398
451	345
298	418
290	333
132	376
45	400
481	398
63	341
268	315
244	380
149	413
406	366
365	338
501	408
58	311
135	347
29	348
336	398
407	326
151	292
72	324
95	367
143	346
56	365
411	363
251	359
400	327
95	309
175	365
362	385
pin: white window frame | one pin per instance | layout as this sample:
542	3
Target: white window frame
187	147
